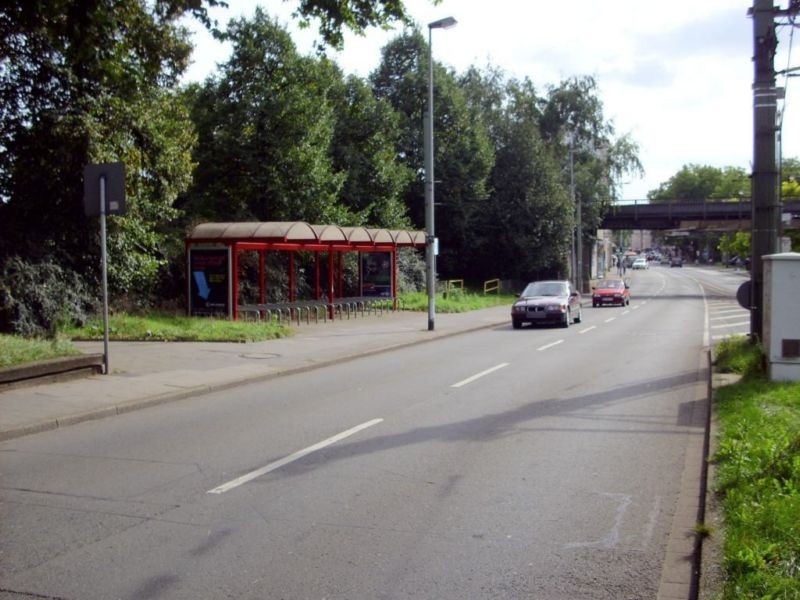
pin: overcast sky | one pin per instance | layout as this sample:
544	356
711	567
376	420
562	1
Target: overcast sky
675	75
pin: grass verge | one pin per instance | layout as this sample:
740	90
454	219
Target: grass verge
172	328
15	350
758	478
455	302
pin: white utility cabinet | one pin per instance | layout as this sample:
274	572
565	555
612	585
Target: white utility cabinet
782	315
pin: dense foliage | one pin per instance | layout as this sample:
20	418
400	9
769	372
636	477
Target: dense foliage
276	135
695	183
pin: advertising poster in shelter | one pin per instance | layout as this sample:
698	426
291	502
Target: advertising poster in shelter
376	274
210	282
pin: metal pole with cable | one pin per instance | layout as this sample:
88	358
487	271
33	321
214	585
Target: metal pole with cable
766	202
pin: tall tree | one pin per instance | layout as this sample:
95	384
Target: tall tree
364	150
265	132
82	82
463	154
696	183
524	232
573	110
356	15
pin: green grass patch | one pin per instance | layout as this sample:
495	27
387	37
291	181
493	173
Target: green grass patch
455	302
758	480
172	328
15	350
738	355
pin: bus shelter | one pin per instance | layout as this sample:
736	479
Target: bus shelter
213	252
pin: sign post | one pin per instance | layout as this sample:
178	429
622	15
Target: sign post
104	194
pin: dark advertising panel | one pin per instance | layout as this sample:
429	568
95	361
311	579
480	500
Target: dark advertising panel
209	282
376	274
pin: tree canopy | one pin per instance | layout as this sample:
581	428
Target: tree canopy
695	183
277	135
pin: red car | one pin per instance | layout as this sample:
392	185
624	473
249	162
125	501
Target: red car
611	292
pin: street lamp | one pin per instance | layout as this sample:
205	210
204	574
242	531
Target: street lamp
430	239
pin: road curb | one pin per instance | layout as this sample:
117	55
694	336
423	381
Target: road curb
680	575
155	400
54	369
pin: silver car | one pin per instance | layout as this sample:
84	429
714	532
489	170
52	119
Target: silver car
547	302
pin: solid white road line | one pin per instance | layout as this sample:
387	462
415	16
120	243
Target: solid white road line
588	329
291	458
479	375
730	325
736	316
556	343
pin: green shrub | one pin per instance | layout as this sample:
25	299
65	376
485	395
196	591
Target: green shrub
738	355
36	298
411	270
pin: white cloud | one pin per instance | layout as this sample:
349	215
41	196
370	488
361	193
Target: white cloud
675	75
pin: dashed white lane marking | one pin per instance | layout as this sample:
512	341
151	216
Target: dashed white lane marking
588	329
556	343
225	487
479	375
626	312
611	319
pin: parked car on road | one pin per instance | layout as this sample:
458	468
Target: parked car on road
676	261
640	263
547	302
611	292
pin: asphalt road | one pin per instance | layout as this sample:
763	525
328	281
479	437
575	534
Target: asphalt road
541	463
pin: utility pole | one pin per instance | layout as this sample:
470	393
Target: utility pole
766	218
576	236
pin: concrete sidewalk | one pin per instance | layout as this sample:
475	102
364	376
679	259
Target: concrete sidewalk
148	373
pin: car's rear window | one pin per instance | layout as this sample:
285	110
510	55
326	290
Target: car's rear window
545	289
610	283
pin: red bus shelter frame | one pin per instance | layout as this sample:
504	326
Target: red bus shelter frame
298	236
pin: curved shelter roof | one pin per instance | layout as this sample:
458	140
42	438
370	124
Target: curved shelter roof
303	234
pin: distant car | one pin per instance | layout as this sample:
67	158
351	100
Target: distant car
640	263
547	302
676	261
611	292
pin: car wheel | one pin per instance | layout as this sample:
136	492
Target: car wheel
594	304
516	323
567	319
579	316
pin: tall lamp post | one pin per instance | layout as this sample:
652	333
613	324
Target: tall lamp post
430	237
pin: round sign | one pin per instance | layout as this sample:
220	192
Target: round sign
743	295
